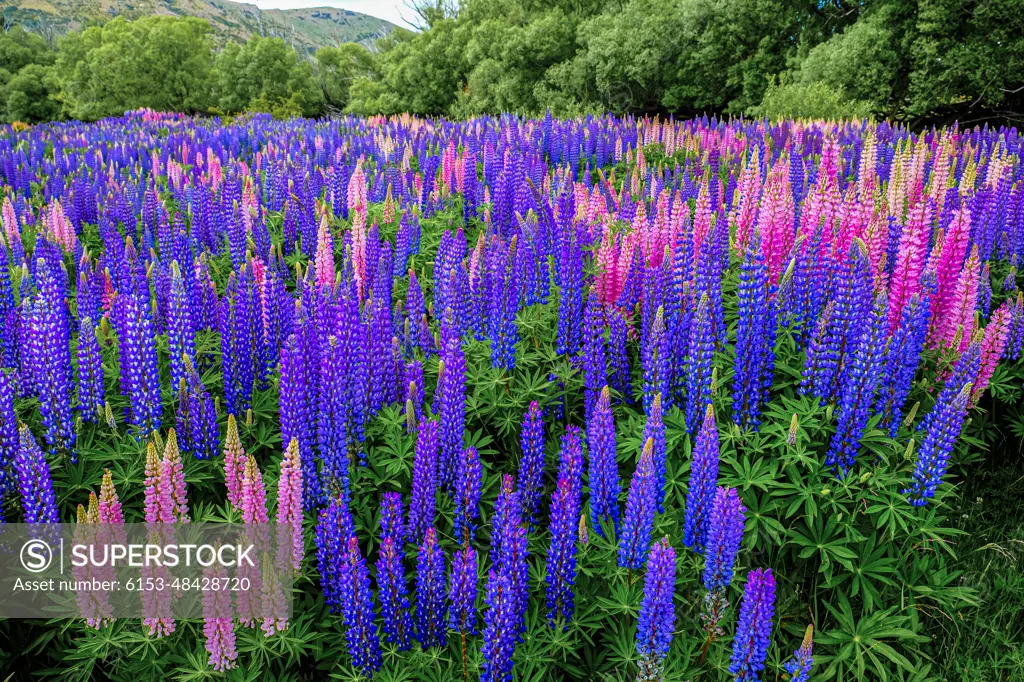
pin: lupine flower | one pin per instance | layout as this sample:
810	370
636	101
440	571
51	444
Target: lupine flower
392	518
296	420
942	428
799	667
90	373
703	479
698	363
595	371
501	628
620	377
9	438
755	342
173	484
569	272
218	624
424	481
654	429
450	404
656	357
638	523
234	462
394	600
430	592
754	627
356	602
109	504
509	548
468	481
565	510
724	537
289	501
180	333
603	471
462	592
35	485
140	378
332	426
992	346
657	612
531	466
196	417
334	528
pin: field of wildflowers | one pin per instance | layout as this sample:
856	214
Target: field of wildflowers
549	399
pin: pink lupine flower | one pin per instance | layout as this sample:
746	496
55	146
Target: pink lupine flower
234	462
992	347
949	264
173	479
775	220
906	276
959	322
253	495
218	625
324	258
289	501
109	504
748	194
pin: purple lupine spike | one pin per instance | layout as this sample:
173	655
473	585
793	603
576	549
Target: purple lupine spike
197	418
296	420
500	628
90	373
620	378
450	404
468	482
595	370
654	429
703	479
334	528
638	523
699	359
754	627
35	484
531	465
462	592
140	379
657	612
902	357
565	514
332	432
509	548
424	481
394	599
755	342
180	332
942	427
9	437
724	537
361	634
857	392
570	300
799	667
603	472
656	358
430	593
392	518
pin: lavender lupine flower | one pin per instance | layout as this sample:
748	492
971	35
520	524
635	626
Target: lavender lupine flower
501	629
595	370
468	482
754	628
724	538
140	379
799	667
603	472
48	355
356	602
424	481
462	592
703	479
450	403
699	359
656	362
657	612
565	512
196	417
430	592
332	431
35	485
296	420
942	428
857	392
755	342
289	506
638	523
90	373
181	341
531	466
334	528
509	548
655	430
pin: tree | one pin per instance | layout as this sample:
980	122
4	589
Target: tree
264	75
31	95
337	68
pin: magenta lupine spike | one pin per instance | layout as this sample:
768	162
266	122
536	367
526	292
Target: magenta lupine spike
109	504
253	497
775	220
324	255
906	277
996	334
947	269
234	462
218	624
959	322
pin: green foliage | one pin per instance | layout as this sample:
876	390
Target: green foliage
32	94
817	99
336	69
266	75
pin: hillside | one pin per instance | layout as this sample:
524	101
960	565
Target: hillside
305	29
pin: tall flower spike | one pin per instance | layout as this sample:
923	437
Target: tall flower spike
173	473
500	629
289	502
509	548
334	528
531	466
565	511
754	628
90	373
424	481
799	667
657	612
109	504
394	599
700	357
724	538
9	439
361	633
468	482
703	479
218	624
462	592
655	430
234	462
430	593
640	507
35	485
755	342
603	472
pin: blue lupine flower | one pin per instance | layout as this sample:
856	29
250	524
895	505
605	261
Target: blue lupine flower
509	548
332	423
462	592
424	481
724	538
603	471
656	358
333	529
180	333
361	634
296	417
501	629
620	378
703	479
655	430
569	273
638	524
468	481
902	357
90	373
699	359
35	484
754	628
450	402
595	370
197	418
799	667
9	438
657	612
755	342
430	592
565	514
394	598
531	466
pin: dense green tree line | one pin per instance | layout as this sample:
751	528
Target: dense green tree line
914	60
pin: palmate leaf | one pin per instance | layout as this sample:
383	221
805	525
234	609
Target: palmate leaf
823	537
869	567
862	646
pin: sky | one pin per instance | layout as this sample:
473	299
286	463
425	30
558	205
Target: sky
391	10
